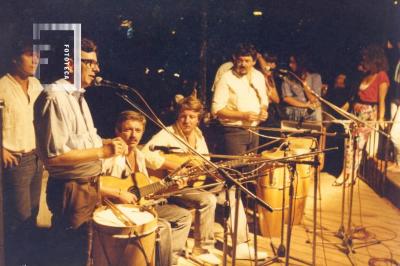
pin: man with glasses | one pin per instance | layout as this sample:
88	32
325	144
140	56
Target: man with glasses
72	151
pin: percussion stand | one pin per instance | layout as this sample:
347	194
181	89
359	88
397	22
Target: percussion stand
282	251
347	235
229	181
341	231
292	170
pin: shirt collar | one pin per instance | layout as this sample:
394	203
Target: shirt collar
69	87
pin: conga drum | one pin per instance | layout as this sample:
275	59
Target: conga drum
117	244
303	175
272	186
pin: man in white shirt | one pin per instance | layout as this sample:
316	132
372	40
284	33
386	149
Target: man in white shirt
186	128
240	99
22	167
174	222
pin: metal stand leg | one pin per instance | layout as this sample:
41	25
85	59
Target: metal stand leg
227	211
347	238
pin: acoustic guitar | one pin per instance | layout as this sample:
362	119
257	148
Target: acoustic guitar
180	159
138	184
197	172
141	185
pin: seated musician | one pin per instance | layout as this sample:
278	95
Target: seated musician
186	128
174	222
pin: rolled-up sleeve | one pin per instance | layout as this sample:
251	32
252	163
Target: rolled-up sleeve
263	92
221	96
51	131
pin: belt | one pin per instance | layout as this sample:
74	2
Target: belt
24	153
93	180
29	153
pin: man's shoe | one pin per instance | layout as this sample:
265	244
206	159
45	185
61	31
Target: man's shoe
208	258
204	256
245	252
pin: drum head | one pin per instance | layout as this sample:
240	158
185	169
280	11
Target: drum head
144	222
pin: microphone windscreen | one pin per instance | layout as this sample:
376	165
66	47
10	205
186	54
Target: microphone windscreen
98	81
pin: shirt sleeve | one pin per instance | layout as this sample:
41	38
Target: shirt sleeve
154	160
221	96
383	78
51	131
263	91
286	91
316	84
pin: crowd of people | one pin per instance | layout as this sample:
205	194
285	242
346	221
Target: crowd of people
53	129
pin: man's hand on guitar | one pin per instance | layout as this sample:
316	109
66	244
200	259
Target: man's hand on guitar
126	197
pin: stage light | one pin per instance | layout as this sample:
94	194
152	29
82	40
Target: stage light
176	75
257	13
173	32
146	70
160	70
396	3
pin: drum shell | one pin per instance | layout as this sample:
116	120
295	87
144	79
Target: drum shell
272	186
114	245
303	175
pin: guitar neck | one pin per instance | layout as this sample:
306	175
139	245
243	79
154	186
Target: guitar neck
153	188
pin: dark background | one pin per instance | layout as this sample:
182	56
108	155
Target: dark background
330	32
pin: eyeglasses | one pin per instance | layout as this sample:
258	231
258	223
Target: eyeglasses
90	63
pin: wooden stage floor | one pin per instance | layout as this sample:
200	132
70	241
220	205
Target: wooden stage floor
379	218
374	219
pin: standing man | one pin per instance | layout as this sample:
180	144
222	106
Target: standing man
240	99
72	151
174	222
22	167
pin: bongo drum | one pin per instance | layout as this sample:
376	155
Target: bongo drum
270	188
117	244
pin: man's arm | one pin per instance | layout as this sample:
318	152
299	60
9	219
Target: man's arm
226	113
294	102
113	148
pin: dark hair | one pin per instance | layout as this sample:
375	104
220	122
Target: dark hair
20	47
374	57
270	57
245	49
303	63
88	45
129	115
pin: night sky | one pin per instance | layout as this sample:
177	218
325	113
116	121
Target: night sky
171	34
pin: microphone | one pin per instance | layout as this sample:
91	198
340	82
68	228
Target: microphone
281	70
99	81
165	149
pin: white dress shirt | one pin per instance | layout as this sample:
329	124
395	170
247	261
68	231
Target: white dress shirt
241	94
154	160
18	128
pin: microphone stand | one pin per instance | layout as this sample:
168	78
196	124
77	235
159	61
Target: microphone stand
225	176
346	235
